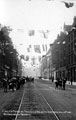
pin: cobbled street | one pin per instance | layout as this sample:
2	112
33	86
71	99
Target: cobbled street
41	101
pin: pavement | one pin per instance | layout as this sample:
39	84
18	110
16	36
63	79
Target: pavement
68	82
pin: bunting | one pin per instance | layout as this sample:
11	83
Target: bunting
31	32
68	5
29	48
33	60
27	58
43	47
22	56
39	58
37	48
46	47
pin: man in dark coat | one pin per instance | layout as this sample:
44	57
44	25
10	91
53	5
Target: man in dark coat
64	81
5	84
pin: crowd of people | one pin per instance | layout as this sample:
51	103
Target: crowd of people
14	83
29	79
60	82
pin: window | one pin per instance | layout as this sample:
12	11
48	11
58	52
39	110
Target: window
71	58
75	44
74	57
71	37
75	33
71	46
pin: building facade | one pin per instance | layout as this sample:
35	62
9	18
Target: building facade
71	55
64	55
46	65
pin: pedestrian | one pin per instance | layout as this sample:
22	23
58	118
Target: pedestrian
60	81
56	83
5	84
64	81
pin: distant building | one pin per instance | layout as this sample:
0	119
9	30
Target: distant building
46	64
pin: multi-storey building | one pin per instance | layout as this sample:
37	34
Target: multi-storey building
64	55
46	64
71	54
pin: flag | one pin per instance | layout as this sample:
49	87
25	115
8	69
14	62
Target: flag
46	47
43	47
37	48
27	58
33	60
67	28
68	5
39	58
22	56
30	46
31	33
28	49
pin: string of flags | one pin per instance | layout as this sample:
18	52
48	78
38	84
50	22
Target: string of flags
37	48
34	60
44	33
67	4
31	32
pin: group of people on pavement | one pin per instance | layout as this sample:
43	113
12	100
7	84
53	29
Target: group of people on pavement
29	79
13	83
60	82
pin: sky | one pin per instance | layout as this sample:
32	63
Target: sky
38	15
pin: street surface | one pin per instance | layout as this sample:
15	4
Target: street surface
41	101
9	101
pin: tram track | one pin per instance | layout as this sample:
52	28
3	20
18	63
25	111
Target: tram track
20	105
50	107
34	106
